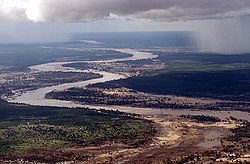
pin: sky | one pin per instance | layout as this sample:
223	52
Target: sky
221	25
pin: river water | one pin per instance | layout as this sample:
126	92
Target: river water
37	97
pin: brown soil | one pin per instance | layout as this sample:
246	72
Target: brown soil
176	137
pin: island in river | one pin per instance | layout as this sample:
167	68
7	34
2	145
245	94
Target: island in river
179	124
38	97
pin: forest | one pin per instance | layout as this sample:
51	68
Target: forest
226	84
28	129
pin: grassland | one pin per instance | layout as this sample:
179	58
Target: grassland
17	57
28	129
194	75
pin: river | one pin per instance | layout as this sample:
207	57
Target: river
37	97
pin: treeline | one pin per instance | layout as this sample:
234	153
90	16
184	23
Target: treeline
42	79
27	129
92	96
202	118
242	133
228	85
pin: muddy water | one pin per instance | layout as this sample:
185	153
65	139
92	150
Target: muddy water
37	97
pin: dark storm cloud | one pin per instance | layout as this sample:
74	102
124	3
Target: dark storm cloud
219	35
78	10
169	10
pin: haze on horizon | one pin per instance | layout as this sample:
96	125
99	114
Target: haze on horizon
221	25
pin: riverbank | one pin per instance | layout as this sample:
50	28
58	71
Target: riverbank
37	97
175	137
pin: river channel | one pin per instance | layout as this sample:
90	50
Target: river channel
37	97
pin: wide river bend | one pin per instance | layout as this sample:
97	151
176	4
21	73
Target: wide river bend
37	97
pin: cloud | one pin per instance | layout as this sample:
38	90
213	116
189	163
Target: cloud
223	35
81	10
227	36
20	10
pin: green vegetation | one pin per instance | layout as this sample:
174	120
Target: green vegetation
78	65
24	129
192	66
202	118
242	133
195	75
17	57
204	58
222	84
239	141
32	81
94	96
